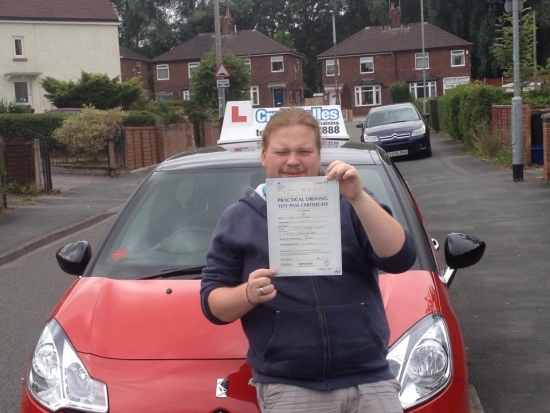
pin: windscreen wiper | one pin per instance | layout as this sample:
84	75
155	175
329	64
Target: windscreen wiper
188	273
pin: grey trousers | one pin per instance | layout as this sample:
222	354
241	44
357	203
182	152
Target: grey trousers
380	397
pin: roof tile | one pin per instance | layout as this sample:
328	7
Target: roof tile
383	39
62	10
243	43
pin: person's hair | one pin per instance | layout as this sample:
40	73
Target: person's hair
290	117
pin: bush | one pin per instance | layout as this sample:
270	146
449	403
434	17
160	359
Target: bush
86	132
10	107
27	126
169	111
400	93
139	118
466	106
538	99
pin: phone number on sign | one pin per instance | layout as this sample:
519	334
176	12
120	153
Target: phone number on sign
328	130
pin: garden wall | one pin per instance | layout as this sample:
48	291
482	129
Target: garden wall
501	126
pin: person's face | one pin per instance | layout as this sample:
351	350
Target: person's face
291	152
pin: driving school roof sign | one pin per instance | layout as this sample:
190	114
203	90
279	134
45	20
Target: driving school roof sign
243	125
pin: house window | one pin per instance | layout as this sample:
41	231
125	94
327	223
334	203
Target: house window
451	82
247	64
458	58
417	89
21	92
330	67
367	95
255	95
138	68
192	68
366	65
185	94
164	96
277	64
418	61
18	50
163	73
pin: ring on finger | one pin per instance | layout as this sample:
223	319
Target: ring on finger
262	291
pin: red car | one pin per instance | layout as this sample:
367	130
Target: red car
129	335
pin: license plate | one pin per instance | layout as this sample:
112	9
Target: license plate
399	153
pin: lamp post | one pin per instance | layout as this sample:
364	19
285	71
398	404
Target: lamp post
423	56
218	47
517	103
336	91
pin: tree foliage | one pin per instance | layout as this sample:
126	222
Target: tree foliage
204	92
151	27
94	90
503	47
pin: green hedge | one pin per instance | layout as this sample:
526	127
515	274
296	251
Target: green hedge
140	118
432	108
465	107
17	127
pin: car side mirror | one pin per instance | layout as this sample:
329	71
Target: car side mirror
74	257
426	115
463	250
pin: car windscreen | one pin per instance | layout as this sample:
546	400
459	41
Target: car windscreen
168	225
392	115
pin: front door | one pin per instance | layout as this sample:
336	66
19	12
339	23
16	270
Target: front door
22	92
278	97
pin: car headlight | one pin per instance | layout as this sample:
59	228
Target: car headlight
370	138
421	360
419	131
57	377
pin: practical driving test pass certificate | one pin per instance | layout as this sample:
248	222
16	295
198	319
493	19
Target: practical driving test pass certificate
303	219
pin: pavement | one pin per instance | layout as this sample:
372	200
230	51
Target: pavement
76	202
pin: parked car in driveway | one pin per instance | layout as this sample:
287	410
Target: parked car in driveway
129	334
399	129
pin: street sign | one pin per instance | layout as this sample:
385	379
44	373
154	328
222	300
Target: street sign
222	82
222	72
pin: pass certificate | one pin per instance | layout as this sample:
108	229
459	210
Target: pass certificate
303	221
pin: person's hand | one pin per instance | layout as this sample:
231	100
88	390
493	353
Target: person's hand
259	288
348	179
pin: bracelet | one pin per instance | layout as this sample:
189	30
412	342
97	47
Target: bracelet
247	299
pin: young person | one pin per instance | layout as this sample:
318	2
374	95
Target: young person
316	343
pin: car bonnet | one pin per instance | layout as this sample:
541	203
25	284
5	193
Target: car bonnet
145	319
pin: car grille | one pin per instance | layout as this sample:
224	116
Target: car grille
395	136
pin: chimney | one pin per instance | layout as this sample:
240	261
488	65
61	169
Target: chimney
226	24
395	16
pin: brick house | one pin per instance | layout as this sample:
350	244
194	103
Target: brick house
371	60
132	65
55	38
276	70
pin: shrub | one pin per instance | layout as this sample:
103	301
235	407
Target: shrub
139	118
86	132
10	107
20	127
400	92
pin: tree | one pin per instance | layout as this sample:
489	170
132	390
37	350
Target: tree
147	25
204	92
95	90
503	47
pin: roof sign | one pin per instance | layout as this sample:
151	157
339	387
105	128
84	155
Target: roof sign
243	125
222	72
